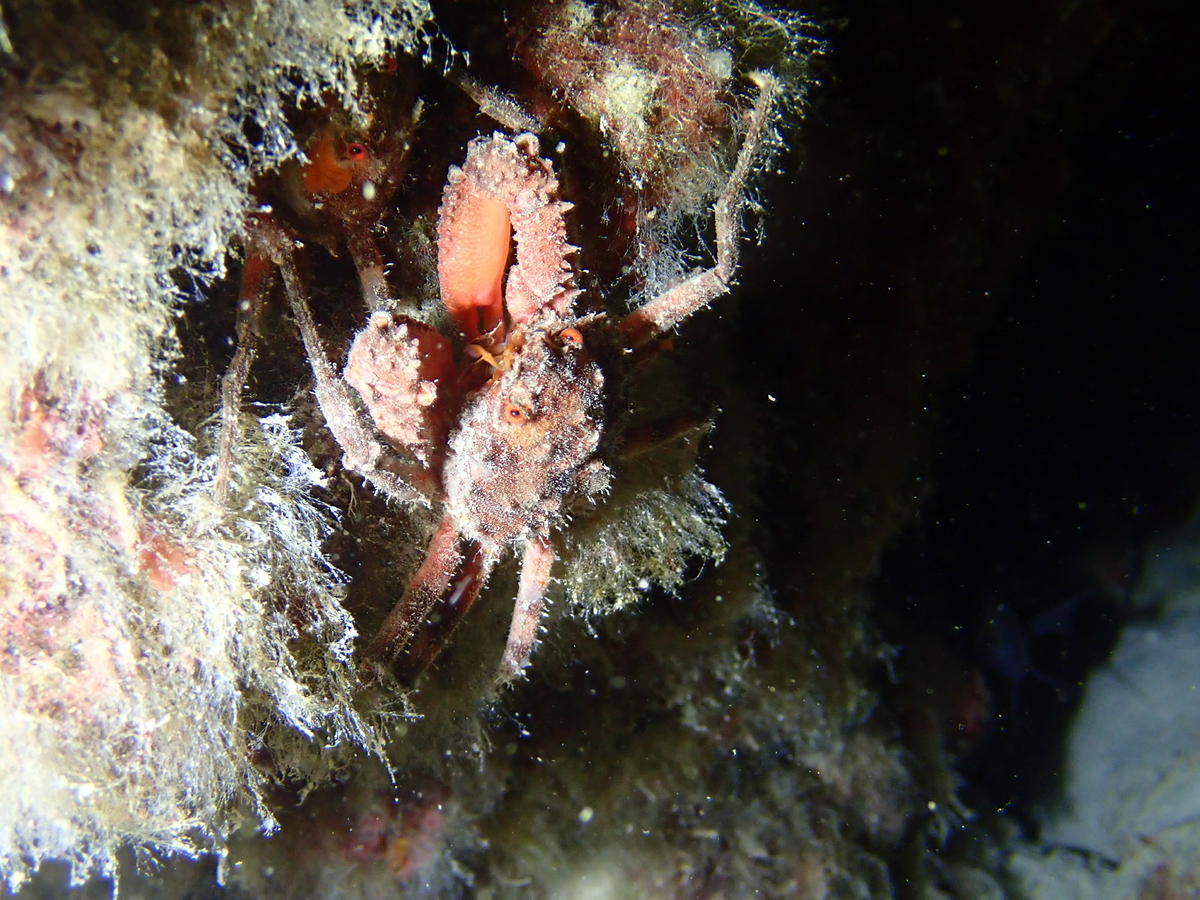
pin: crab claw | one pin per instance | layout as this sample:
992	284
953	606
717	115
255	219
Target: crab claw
471	261
404	372
503	193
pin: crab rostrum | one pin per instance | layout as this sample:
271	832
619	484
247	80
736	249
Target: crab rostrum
507	437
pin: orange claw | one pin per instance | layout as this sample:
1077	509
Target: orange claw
503	196
472	256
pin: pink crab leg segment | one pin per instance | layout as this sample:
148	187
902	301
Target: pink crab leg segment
503	192
462	594
430	583
535	575
668	310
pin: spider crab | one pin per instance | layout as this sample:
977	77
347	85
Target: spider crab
508	436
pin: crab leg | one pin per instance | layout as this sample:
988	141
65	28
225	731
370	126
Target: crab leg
255	276
464	591
669	309
361	452
535	575
429	584
369	263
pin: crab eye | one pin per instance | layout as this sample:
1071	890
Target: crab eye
571	337
512	412
356	150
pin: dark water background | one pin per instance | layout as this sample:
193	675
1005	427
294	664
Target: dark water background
989	264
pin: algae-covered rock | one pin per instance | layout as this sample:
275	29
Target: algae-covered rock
187	569
163	661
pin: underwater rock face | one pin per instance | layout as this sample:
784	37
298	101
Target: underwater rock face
187	570
721	703
1132	768
153	649
1130	792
